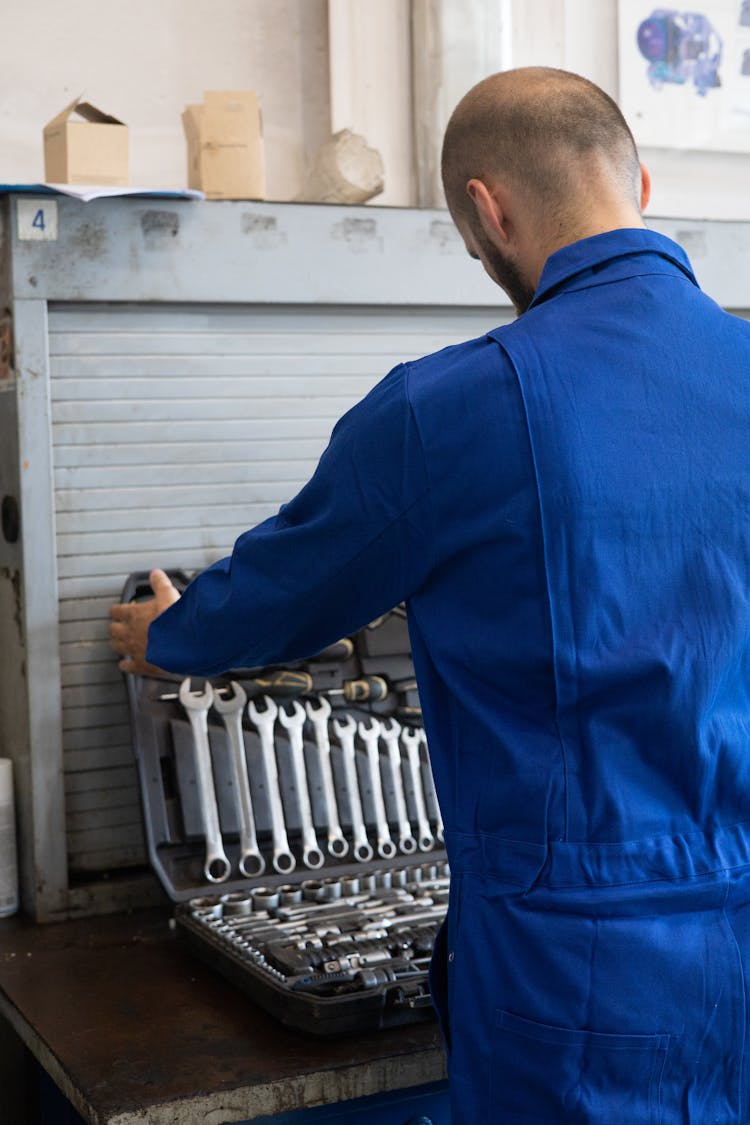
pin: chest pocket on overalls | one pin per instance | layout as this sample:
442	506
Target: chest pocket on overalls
557	1075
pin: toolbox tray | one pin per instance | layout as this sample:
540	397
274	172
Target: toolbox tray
385	984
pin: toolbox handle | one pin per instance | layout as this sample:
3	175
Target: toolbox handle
138	587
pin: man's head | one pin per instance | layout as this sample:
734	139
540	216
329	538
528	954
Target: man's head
534	159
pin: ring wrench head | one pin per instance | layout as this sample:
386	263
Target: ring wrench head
363	853
217	868
313	858
338	846
284	862
251	864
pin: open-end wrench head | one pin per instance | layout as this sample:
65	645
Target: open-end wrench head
390	728
295	718
371	731
410	738
196	700
345	728
322	711
267	715
226	705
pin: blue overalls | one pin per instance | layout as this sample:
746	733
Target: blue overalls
564	504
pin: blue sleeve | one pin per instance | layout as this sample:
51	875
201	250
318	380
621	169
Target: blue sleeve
353	543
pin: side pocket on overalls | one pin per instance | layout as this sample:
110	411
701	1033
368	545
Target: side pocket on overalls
442	966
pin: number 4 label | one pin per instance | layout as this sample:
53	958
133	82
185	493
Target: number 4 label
37	220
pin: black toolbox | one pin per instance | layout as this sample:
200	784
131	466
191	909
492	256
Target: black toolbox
290	813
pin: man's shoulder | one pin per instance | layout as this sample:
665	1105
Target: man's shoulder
455	364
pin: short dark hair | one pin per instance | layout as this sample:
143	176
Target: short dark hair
532	125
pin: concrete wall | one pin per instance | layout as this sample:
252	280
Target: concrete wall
581	35
144	61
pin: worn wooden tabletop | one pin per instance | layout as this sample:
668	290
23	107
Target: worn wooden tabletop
134	1030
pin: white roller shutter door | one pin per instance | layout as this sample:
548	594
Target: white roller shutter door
175	429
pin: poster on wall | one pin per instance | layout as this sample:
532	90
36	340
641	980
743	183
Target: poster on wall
685	74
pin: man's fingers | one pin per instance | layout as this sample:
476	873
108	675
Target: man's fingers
117	636
165	592
159	581
129	622
140	667
120	612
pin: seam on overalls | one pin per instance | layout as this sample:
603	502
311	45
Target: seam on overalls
548	590
741	1067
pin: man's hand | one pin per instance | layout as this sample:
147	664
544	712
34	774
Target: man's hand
128	627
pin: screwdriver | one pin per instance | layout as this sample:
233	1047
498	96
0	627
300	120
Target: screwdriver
368	689
341	650
286	683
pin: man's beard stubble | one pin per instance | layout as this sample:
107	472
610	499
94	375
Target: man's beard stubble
508	276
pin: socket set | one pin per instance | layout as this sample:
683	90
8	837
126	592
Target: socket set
290	813
328	956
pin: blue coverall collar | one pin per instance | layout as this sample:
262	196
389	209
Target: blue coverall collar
589	253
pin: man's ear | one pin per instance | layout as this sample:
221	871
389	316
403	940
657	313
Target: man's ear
645	187
489	207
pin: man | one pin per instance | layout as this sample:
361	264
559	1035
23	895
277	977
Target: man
564	504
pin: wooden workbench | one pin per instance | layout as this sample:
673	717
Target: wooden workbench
134	1030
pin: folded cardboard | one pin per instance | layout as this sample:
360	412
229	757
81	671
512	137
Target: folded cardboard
225	145
84	145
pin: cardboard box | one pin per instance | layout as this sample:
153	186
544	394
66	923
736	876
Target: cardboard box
83	145
225	145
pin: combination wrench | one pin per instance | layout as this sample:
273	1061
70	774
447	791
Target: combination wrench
390	732
430	790
264	721
196	704
370	735
293	723
318	716
230	708
411	740
345	732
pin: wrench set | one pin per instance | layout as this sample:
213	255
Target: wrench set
291	814
380	794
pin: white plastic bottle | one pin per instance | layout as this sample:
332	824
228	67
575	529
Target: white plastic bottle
8	864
